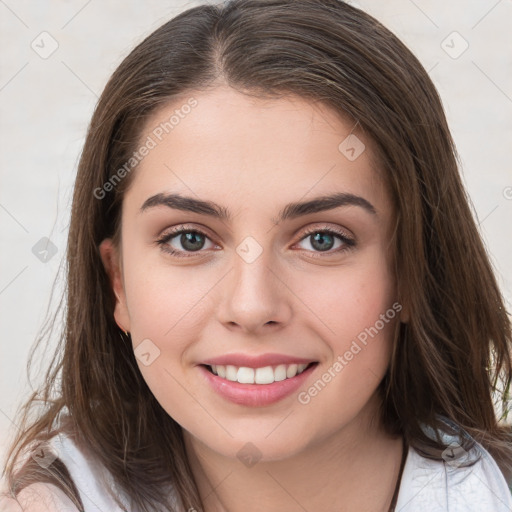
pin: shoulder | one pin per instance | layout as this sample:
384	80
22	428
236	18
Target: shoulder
38	497
94	486
459	481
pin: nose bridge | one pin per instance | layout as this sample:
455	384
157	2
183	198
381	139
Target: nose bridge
255	295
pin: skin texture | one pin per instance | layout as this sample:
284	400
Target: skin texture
254	156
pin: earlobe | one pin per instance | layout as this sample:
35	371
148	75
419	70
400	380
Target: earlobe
112	263
404	314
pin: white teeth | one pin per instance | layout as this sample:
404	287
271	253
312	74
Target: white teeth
291	371
264	375
245	375
231	372
280	372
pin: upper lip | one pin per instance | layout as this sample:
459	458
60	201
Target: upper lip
258	361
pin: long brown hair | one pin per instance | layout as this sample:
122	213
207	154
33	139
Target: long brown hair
448	359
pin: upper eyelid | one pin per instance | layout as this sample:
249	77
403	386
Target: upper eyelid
175	231
337	231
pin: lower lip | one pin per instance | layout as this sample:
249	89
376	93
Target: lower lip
255	395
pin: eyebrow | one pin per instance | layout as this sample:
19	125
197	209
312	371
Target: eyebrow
289	212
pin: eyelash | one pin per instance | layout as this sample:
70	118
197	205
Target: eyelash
348	243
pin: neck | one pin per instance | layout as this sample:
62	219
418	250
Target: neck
355	468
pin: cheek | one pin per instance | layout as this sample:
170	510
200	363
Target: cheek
166	306
353	307
163	298
349	299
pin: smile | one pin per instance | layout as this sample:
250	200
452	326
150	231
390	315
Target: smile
256	387
262	375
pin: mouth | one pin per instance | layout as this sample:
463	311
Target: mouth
258	376
257	386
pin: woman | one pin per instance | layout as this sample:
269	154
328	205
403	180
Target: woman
275	284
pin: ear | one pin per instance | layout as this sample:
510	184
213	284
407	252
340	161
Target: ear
112	263
404	314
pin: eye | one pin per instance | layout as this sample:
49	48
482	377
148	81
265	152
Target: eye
182	240
324	239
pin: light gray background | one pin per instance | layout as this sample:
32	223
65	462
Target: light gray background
46	104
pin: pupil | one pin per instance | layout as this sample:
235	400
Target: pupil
190	241
320	243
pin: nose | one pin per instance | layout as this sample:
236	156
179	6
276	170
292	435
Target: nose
255	298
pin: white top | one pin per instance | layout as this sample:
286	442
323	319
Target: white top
444	486
426	485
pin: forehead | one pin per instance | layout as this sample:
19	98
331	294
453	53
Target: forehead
226	144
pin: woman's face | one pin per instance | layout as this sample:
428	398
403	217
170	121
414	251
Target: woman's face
256	278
